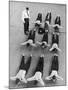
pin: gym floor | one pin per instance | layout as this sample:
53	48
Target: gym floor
16	37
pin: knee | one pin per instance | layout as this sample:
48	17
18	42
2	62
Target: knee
55	45
38	74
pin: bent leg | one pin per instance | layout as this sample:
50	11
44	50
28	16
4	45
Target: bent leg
38	76
17	76
31	78
24	43
39	42
50	76
58	48
58	77
53	46
13	78
46	44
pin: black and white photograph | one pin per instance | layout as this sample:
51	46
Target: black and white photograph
37	44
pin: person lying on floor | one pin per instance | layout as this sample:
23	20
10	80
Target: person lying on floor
38	20
38	72
55	42
53	75
48	20
31	39
44	41
57	24
38	23
23	70
45	25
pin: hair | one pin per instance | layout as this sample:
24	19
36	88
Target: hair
27	8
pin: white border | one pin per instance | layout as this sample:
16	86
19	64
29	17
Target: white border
4	43
46	1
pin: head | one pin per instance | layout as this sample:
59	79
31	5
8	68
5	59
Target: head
55	51
54	78
28	45
43	45
27	8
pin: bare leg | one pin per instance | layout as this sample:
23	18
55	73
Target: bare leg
30	42
31	78
50	77
57	26
24	43
23	79
53	46
33	45
41	82
17	76
58	77
46	44
58	48
39	42
13	78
